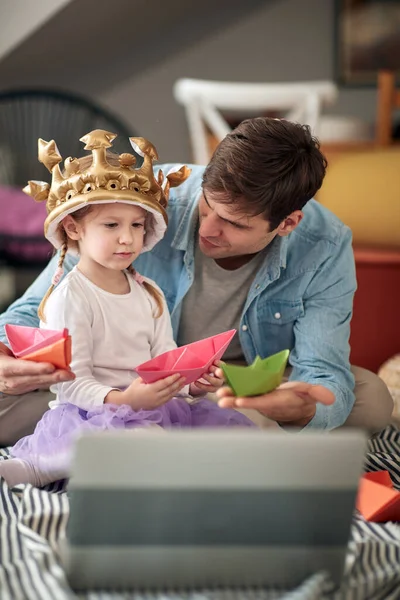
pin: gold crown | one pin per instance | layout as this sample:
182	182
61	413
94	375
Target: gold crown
103	182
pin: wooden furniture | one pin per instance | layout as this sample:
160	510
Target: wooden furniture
215	107
388	102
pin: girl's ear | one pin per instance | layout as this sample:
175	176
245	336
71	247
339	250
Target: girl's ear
72	228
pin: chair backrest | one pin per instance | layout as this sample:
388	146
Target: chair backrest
205	101
388	102
26	115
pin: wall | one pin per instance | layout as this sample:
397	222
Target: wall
279	42
19	18
129	59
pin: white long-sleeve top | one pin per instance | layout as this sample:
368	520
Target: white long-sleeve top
111	335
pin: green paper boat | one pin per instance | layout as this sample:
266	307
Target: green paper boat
261	377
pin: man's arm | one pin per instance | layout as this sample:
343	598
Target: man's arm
18	376
321	352
24	310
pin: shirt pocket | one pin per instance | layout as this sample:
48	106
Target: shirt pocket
281	312
276	319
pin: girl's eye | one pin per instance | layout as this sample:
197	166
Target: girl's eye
110	225
137	225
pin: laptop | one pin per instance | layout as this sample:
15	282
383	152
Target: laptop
155	510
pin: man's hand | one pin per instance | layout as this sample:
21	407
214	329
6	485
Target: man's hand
291	404
19	376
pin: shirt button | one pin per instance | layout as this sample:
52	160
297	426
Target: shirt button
257	286
244	327
277	315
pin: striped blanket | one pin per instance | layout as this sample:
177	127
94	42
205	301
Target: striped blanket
33	521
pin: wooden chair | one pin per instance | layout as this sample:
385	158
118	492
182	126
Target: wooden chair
203	101
207	102
26	115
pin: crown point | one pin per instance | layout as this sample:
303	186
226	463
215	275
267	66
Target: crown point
127	160
71	165
48	154
98	138
143	147
177	177
38	190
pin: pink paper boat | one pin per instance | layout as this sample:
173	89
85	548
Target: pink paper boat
40	345
190	361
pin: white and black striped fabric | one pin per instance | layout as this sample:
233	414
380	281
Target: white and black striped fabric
33	522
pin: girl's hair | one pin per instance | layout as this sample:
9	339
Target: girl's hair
63	252
154	293
78	216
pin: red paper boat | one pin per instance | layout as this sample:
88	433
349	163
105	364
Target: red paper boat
40	345
377	499
190	361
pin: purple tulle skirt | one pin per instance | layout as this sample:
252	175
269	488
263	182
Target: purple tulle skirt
49	447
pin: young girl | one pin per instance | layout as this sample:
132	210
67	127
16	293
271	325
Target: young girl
109	212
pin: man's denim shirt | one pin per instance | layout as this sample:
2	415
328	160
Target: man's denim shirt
301	298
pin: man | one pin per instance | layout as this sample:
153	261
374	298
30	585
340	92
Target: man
246	247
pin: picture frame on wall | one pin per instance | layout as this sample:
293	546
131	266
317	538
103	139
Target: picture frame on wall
367	40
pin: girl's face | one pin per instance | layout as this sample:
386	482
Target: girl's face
110	235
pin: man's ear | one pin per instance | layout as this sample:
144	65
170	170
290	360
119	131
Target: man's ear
290	223
72	228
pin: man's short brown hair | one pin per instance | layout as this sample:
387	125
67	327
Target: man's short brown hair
267	166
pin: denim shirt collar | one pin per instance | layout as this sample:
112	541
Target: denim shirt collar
275	259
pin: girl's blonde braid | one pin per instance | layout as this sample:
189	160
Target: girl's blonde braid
56	277
154	293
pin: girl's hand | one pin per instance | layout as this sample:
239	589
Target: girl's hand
147	396
209	382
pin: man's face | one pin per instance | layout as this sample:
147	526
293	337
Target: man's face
224	232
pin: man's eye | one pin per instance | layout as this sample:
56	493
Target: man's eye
236	225
110	225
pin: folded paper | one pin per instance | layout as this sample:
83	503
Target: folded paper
261	377
377	499
40	345
191	361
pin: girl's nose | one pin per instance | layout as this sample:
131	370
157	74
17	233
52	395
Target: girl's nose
126	236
